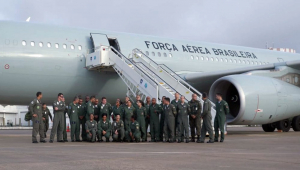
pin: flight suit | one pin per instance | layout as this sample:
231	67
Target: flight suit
135	130
147	119
46	115
206	126
128	112
81	113
154	111
35	107
119	127
222	109
91	126
175	103
96	113
170	114
183	111
104	126
196	109
65	125
161	123
59	121
117	111
105	109
135	105
89	110
140	117
74	121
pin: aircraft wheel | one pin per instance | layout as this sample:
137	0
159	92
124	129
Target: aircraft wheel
296	123
268	127
284	125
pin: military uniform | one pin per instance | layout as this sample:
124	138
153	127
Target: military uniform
140	117
147	119
222	109
183	111
74	120
46	115
161	123
96	113
81	113
104	126
35	107
105	109
59	120
196	109
169	126
89	110
119	127
154	111
135	130
128	112
91	126
118	111
206	126
135	105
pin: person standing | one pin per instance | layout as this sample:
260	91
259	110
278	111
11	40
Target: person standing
183	110
118	132
104	128
206	117
90	108
222	109
128	112
105	108
175	102
46	115
35	108
117	110
96	110
59	109
65	136
170	114
133	133
147	119
135	105
162	120
74	120
195	117
82	120
154	111
141	112
91	128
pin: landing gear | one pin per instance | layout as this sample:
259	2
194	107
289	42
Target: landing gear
268	127
284	125
296	123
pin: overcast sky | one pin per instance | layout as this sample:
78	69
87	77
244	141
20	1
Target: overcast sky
238	22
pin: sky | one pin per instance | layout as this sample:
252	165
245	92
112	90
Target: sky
251	23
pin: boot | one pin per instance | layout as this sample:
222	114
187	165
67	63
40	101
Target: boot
198	139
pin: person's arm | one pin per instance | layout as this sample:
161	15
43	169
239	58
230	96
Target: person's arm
205	109
31	106
70	110
199	106
226	108
49	113
87	127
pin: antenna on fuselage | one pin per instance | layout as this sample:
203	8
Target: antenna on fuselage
28	19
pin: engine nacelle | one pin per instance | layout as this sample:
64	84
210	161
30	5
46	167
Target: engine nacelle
257	99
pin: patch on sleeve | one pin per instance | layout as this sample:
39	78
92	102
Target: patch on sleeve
32	102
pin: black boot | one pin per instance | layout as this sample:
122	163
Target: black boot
198	139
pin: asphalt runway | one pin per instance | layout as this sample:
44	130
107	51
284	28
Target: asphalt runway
244	148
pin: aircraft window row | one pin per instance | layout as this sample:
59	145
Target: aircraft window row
228	60
158	54
41	44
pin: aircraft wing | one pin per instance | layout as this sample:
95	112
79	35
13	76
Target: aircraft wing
203	81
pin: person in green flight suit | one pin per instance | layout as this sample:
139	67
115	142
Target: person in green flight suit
162	120
133	133
170	114
175	102
118	132
134	104
35	108
104	128
46	115
154	111
206	117
105	108
118	110
91	128
141	112
129	111
125	102
74	120
96	110
90	108
147	119
195	117
222	109
82	120
183	111
65	136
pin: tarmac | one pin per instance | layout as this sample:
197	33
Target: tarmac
244	148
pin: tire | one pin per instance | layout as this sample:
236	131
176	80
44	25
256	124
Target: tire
296	123
284	125
268	127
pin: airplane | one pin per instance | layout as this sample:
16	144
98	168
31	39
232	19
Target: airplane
261	86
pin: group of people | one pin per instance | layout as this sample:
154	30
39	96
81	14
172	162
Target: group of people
169	121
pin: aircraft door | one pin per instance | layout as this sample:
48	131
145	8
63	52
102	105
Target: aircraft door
99	39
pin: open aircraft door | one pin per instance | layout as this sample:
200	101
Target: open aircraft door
99	39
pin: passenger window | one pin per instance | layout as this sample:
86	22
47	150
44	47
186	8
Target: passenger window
230	60
158	54
56	45
41	44
48	45
192	57
202	58
207	58
72	47
221	59
165	54
225	60
32	43
24	43
234	61
147	53
65	46
239	61
217	59
197	58
79	47
212	59
153	53
170	55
